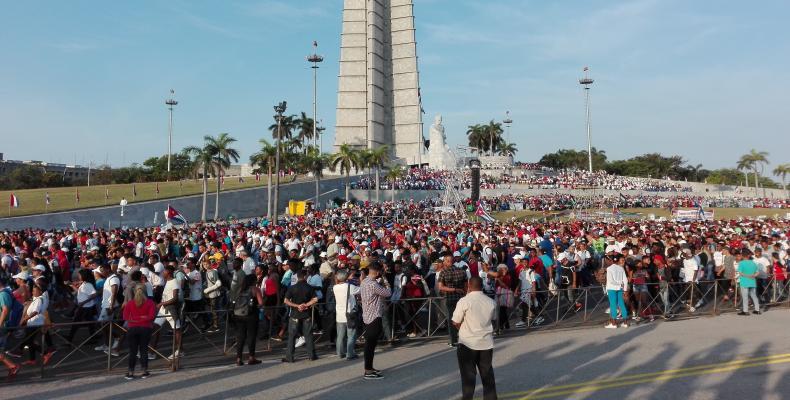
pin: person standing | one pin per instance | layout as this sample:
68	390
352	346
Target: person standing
374	291
616	285
139	314
245	314
451	284
301	298
749	271
472	317
345	301
6	307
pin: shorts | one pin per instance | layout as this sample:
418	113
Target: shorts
3	339
164	315
640	289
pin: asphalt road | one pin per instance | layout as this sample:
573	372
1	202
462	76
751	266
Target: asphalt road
728	357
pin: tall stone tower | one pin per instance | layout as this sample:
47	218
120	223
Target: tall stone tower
378	99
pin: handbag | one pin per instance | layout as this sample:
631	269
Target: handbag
352	315
241	308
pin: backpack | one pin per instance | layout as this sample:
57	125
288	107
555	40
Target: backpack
15	310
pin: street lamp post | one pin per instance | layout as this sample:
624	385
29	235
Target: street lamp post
507	121
315	59
170	103
279	110
586	82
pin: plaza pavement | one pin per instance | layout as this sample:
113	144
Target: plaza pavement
728	357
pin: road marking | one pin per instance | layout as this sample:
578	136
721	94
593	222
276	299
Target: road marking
627	380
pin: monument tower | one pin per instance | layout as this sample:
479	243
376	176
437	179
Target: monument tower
378	99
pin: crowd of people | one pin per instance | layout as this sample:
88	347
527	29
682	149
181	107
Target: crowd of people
579	179
413	179
567	201
302	276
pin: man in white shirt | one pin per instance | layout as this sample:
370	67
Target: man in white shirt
249	264
764	270
345	299
473	317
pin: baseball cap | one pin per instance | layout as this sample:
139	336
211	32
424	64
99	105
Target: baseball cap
40	267
457	254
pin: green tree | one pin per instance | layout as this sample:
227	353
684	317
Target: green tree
304	126
493	135
264	159
393	174
345	159
782	170
508	149
476	136
314	162
378	159
222	155
203	160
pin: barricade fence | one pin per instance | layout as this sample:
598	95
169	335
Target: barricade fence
208	337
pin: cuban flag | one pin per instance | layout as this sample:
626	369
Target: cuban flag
174	216
257	177
14	203
482	213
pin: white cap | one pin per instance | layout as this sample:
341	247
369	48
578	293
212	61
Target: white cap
152	247
323	254
338	239
22	275
40	267
364	244
518	257
457	254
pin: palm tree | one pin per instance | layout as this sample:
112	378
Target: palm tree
287	127
494	135
304	125
314	162
203	160
393	174
265	159
222	154
476	135
363	155
745	164
754	159
508	149
782	170
346	158
378	158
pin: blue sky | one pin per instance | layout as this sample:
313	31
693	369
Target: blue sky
708	80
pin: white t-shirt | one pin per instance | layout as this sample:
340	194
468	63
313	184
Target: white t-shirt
341	299
37	305
107	291
167	295
195	286
763	266
85	291
690	267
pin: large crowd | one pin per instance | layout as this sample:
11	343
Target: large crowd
578	179
306	275
413	179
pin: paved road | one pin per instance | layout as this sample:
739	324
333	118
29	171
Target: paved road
728	357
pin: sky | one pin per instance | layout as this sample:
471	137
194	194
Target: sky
86	81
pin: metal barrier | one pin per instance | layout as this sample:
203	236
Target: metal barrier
405	319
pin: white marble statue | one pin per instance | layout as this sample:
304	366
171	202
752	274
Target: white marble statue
439	155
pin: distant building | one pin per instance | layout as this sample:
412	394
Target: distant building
69	172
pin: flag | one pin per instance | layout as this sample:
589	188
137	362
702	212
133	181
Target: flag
77	195
257	177
482	213
14	201
173	215
157	188
106	193
134	190
46	198
222	179
241	180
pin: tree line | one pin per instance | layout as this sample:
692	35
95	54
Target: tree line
656	165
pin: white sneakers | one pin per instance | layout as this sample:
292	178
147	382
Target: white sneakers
520	324
300	342
610	326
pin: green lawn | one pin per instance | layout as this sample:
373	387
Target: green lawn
719	213
64	198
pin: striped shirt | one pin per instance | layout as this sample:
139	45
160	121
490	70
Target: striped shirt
373	296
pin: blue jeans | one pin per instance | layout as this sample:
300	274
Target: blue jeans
344	343
747	292
615	301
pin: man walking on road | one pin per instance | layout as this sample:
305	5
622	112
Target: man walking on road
472	317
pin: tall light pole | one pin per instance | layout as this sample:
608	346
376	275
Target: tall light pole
320	130
279	110
586	82
507	121
170	103
315	59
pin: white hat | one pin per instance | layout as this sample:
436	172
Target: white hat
323	254
22	275
364	244
152	247
159	268
561	257
457	254
39	267
94	248
338	239
518	257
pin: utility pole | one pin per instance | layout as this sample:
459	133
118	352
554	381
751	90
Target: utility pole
315	59
170	103
279	110
586	82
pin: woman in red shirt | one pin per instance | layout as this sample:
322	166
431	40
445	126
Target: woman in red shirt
139	316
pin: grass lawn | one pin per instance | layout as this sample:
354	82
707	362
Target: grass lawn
719	213
32	201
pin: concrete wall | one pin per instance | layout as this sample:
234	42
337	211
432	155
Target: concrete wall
239	203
